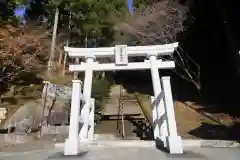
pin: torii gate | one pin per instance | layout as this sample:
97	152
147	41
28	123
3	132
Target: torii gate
164	123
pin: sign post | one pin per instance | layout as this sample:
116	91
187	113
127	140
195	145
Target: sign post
121	57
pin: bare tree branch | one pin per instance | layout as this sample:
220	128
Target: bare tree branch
160	23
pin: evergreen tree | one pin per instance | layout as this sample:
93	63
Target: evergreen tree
89	18
7	11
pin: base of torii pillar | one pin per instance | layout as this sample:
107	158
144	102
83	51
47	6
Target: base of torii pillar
174	144
72	147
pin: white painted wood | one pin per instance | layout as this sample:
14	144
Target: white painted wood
91	120
81	120
87	89
121	57
165	49
156	130
169	107
131	66
83	99
130	53
174	142
72	143
160	103
157	89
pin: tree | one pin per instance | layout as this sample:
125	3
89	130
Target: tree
161	23
91	18
7	12
23	54
140	4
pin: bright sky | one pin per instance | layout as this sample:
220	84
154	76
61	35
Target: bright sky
130	6
20	11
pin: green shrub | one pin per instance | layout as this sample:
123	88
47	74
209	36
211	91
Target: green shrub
28	90
100	90
100	87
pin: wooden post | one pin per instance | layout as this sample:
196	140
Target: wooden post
87	90
157	89
75	74
72	143
52	52
60	59
67	43
174	142
46	83
64	64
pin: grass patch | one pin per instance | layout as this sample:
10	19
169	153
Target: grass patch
58	78
145	104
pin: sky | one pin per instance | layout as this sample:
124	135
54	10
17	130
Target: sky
130	6
20	11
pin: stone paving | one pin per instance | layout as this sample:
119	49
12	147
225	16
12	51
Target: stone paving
127	153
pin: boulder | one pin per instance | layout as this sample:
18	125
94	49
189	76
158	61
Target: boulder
30	115
54	90
24	126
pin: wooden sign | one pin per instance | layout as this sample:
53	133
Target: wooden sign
121	57
3	112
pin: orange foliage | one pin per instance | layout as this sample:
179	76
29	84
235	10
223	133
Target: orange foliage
21	51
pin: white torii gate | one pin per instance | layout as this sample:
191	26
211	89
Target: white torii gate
164	123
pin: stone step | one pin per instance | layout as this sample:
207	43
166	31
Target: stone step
106	137
129	107
187	143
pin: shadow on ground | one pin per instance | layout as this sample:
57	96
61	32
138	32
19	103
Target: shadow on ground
60	155
133	126
217	132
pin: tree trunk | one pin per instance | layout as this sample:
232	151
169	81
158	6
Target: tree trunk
103	75
76	73
52	56
60	59
50	110
64	64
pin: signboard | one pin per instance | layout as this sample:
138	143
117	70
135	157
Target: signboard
3	112
121	57
57	90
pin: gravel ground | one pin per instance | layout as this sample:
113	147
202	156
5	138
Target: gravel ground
43	149
46	142
133	153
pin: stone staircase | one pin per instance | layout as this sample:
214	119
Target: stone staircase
114	115
129	103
